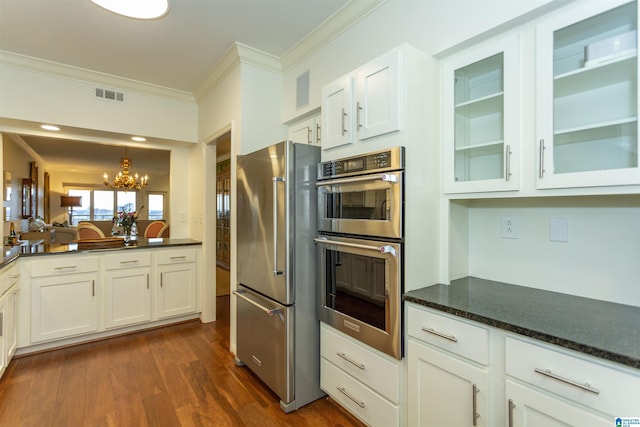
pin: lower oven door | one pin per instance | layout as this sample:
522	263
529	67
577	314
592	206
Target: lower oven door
264	340
361	287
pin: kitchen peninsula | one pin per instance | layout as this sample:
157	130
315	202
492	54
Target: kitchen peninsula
68	296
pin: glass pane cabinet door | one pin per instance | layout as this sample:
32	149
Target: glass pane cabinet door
481	118
589	98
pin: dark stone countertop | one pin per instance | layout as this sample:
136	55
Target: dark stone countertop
598	328
11	253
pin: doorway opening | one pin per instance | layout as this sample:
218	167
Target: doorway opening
223	214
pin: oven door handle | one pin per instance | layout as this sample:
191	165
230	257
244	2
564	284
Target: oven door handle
386	177
384	249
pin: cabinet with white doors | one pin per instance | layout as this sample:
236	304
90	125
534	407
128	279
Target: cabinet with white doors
587	96
481	117
9	278
306	131
362	380
448	378
456	378
64	297
176	282
364	103
127	288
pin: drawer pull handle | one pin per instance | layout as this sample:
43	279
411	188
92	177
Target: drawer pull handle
585	386
133	261
350	360
440	334
510	408
342	390
178	257
475	415
68	267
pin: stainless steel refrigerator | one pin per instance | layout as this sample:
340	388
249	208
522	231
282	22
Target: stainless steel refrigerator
277	325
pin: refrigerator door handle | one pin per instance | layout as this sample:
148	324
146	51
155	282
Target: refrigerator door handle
276	180
270	312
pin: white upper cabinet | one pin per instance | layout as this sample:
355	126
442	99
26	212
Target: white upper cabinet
306	131
587	104
481	118
364	103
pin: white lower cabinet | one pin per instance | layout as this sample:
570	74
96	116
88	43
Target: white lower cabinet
70	297
177	283
524	382
127	289
63	306
447	387
9	286
445	391
364	382
529	408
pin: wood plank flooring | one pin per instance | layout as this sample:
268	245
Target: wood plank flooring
182	375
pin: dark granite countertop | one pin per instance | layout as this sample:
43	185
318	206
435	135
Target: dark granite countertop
598	328
11	253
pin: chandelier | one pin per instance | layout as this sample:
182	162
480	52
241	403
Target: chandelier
124	180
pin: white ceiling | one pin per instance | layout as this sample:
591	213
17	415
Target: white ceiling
178	51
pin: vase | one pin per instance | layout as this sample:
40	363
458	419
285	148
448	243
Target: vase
127	234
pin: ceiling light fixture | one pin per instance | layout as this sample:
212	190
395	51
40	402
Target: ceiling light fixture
50	127
139	9
125	181
138	139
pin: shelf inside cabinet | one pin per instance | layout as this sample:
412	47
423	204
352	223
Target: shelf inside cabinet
481	145
595	126
613	146
489	99
482	79
587	78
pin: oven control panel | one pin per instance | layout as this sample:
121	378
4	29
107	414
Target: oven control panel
379	161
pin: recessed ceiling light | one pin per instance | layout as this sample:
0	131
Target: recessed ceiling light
138	138
140	9
50	127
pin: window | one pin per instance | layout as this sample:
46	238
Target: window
156	206
101	205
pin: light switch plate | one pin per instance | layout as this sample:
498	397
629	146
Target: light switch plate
559	229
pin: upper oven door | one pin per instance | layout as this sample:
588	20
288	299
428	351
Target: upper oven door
368	205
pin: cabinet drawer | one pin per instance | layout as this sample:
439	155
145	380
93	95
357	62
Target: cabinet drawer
373	370
8	278
127	259
603	388
63	265
459	337
357	398
175	257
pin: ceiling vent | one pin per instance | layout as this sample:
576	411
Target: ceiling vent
109	94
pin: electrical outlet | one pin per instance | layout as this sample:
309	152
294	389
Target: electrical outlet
510	227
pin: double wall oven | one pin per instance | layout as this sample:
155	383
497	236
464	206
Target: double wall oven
360	245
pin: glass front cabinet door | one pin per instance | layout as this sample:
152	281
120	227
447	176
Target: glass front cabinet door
481	118
587	106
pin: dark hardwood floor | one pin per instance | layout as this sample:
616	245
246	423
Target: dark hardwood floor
181	375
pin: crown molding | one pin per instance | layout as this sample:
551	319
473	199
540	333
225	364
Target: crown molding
332	27
57	69
238	53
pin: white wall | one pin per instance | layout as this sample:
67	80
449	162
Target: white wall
431	26
599	260
41	97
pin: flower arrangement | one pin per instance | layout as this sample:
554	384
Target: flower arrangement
126	219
